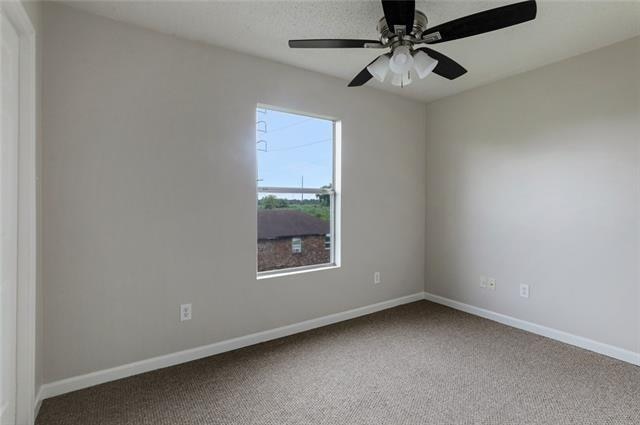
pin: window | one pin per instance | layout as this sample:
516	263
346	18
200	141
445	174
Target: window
296	191
296	245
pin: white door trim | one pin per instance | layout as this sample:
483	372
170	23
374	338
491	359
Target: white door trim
26	307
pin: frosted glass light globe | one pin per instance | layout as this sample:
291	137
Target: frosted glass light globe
423	64
379	68
401	61
401	80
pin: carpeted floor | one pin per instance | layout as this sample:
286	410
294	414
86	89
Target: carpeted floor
416	364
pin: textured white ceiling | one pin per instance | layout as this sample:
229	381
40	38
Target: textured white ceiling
262	28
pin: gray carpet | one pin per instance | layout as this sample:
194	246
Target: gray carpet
416	364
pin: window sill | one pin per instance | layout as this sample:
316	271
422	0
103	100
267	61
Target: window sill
298	270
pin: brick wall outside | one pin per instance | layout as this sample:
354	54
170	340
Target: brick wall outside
276	254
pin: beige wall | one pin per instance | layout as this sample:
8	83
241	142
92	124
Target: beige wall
149	194
536	180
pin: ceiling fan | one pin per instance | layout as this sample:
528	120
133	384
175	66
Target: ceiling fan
403	27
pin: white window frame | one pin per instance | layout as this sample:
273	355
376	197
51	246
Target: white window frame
334	204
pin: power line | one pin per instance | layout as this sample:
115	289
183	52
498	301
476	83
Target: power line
289	125
288	148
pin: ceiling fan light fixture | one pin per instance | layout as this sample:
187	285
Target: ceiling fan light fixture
401	80
423	64
402	28
379	68
401	61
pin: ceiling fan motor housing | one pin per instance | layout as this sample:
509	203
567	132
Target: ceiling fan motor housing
419	25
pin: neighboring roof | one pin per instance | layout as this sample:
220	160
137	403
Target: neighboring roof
281	223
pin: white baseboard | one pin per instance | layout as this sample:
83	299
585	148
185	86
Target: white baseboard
99	377
578	341
39	399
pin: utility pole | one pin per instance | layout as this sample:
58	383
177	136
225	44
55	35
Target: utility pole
302	194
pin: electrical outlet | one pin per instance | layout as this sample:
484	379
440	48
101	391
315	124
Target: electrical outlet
376	278
491	283
524	290
483	282
185	312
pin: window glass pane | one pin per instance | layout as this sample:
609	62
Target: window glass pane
293	230
293	150
296	245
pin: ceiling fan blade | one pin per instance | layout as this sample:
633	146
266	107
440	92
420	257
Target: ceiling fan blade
361	78
479	23
447	67
399	13
331	43
364	75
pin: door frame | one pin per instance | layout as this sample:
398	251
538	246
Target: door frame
27	193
